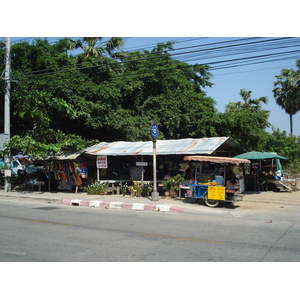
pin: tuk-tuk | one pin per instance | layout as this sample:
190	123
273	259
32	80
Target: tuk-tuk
211	184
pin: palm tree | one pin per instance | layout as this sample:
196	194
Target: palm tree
251	106
254	104
93	46
286	92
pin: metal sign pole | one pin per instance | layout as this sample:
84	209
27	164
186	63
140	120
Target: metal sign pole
155	194
142	171
154	133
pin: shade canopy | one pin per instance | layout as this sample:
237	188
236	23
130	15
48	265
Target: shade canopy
64	156
217	159
255	155
20	155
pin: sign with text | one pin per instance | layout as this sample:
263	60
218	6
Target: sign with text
216	193
141	164
101	162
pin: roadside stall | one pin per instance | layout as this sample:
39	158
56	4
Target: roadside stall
22	168
66	171
266	172
214	180
134	160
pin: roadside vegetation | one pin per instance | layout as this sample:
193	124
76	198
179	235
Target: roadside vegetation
62	101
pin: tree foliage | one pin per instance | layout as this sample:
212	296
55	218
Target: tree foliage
93	46
287	92
285	145
245	121
159	89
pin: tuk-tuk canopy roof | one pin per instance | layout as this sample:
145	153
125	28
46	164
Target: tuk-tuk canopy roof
217	159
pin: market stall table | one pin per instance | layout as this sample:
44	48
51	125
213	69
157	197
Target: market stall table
31	185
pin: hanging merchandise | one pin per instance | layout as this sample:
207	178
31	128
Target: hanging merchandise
69	173
78	180
83	169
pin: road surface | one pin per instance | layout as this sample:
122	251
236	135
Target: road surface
39	232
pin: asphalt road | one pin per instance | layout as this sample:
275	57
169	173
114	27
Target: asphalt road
39	232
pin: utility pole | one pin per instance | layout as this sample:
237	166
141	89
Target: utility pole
7	79
7	90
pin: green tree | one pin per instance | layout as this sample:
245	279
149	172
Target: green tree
245	121
42	108
93	46
287	92
157	88
287	146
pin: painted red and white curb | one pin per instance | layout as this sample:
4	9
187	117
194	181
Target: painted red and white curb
122	205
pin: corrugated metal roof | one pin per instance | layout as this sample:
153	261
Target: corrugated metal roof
163	147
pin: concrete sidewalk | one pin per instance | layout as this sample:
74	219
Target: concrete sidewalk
251	201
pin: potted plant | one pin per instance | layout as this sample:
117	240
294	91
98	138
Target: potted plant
171	185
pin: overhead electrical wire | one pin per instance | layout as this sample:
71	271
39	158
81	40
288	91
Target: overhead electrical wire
179	69
152	73
174	53
64	67
157	52
215	51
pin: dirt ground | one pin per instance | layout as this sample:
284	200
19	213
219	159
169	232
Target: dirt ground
269	200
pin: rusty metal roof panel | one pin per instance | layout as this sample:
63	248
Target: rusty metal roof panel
163	147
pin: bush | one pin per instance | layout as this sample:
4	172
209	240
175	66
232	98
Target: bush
97	188
124	188
138	189
172	183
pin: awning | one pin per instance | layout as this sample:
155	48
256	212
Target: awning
64	156
189	146
218	159
255	155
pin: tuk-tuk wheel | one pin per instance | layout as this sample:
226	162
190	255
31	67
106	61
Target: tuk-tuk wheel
211	203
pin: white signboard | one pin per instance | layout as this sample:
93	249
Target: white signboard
101	162
3	139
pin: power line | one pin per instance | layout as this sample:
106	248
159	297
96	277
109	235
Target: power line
211	63
257	70
152	73
143	54
192	54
